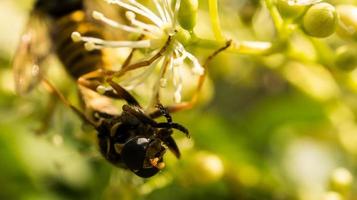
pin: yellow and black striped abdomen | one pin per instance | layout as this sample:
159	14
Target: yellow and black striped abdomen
75	58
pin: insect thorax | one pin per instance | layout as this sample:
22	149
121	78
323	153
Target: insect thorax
58	8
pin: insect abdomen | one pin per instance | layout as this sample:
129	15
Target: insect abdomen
76	59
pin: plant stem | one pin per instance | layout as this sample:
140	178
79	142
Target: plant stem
278	21
325	54
237	47
216	27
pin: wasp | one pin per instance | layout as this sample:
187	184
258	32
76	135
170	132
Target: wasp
48	31
132	139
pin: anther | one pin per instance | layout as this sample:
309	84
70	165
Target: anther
101	89
76	37
89	46
97	15
130	15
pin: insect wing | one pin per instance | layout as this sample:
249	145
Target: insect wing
93	101
33	49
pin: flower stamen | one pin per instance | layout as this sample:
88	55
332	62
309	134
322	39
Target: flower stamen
152	29
101	17
143	12
148	11
141	77
90	41
168	11
177	7
161	11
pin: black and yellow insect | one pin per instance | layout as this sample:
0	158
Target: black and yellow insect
131	139
48	31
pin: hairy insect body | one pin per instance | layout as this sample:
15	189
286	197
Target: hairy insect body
135	141
131	139
114	136
67	18
74	57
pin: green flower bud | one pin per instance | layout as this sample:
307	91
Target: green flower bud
289	9
346	57
347	26
320	20
187	14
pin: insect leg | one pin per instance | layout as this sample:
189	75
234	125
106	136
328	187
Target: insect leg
139	115
130	56
164	112
67	103
189	104
174	126
94	79
171	144
144	118
165	136
47	116
165	132
142	63
120	92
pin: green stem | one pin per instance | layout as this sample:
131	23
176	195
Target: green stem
278	21
324	52
239	47
214	17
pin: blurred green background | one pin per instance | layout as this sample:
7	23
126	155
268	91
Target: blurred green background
276	127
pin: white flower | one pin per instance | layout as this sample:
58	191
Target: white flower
162	29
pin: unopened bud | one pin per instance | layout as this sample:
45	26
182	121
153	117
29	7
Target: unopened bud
187	14
320	20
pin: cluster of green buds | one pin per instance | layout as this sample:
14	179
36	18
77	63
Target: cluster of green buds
316	18
346	57
320	19
347	26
